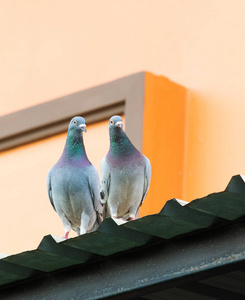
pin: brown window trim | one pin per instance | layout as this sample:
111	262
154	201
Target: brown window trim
121	96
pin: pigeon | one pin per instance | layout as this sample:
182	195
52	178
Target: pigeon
125	175
73	184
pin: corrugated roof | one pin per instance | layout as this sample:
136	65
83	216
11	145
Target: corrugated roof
174	220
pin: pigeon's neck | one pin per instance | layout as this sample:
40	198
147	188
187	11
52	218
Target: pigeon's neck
74	147
120	144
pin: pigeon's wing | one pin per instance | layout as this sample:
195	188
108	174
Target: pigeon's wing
94	183
49	188
105	181
147	179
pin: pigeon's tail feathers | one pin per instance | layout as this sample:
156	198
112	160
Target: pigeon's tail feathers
106	211
95	226
100	218
98	221
99	207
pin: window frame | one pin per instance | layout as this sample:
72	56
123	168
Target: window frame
122	96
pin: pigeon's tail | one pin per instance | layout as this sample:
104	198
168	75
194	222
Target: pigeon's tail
99	208
100	218
99	214
105	212
97	223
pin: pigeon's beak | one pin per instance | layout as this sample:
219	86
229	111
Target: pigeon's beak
83	127
119	124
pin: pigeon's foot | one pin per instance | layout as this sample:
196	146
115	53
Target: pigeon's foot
66	235
131	218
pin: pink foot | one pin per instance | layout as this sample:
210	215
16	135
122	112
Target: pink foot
131	218
66	235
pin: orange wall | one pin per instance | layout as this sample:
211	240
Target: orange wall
164	140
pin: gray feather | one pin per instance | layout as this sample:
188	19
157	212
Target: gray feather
50	190
125	175
73	184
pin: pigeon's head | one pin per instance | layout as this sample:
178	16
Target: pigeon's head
77	124
116	121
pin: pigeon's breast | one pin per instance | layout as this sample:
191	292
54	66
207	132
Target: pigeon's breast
70	186
126	183
122	162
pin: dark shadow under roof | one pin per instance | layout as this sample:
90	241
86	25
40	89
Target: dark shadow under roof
193	251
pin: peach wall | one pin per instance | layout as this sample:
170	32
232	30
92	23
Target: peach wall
52	48
26	214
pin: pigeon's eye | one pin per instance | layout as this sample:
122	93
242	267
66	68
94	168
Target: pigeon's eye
111	122
74	122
